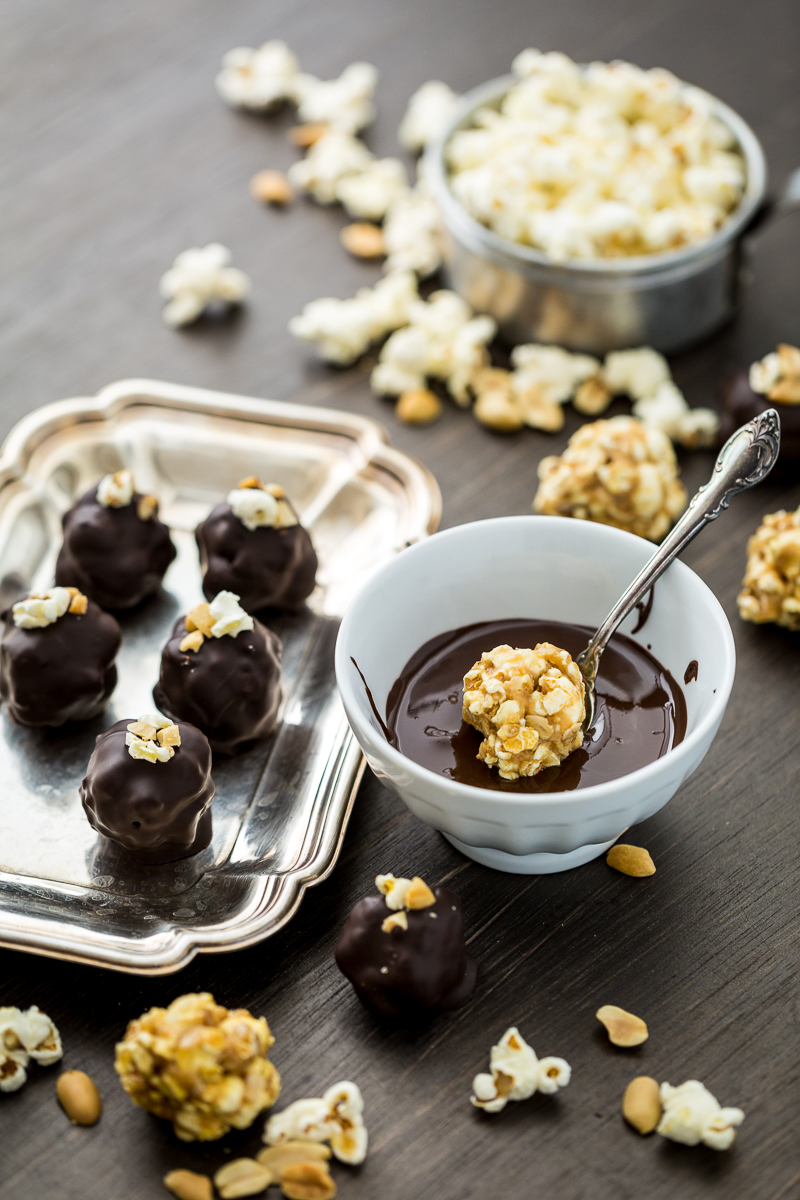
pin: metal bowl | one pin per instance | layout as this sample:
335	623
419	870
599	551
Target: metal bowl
667	300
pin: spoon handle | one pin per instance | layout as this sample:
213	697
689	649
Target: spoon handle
746	458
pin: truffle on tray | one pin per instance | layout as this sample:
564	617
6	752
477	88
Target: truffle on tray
57	658
148	787
404	952
252	544
221	670
115	548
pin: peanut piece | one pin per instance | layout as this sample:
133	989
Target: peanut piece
641	1104
271	187
141	729
252	481
307	1181
363	239
78	1096
242	1177
145	507
306	135
631	860
785	391
397	920
78	604
624	1029
192	641
171	736
419	895
418	407
199	618
275	490
277	1158
592	397
188	1185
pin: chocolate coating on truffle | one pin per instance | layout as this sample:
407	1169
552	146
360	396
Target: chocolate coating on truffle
264	567
113	556
741	404
158	812
230	688
427	966
62	672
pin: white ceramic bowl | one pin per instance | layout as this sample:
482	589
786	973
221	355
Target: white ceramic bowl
538	567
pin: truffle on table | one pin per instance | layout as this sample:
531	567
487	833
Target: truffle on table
57	658
252	544
115	548
221	670
148	788
772	382
404	952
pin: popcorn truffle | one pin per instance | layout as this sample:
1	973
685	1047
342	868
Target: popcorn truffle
199	1065
116	551
771	585
227	680
773	382
254	546
57	665
528	704
617	472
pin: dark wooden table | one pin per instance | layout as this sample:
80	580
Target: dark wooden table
117	155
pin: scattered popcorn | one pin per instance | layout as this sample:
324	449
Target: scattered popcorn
777	376
41	608
344	103
617	472
200	1065
667	410
529	706
198	279
258	79
343	329
330	160
372	191
116	491
413	233
428	111
404	893
337	1118
592	397
152	738
692	1115
25	1036
603	161
497	405
256	505
771	584
554	373
636	373
516	1074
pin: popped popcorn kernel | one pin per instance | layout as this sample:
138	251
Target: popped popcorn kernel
777	375
516	1073
199	278
692	1115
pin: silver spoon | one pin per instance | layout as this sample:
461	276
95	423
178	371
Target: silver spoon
747	457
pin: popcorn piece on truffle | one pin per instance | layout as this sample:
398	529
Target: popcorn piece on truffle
692	1115
116	491
257	79
144	739
528	704
517	1073
343	329
41	608
617	472
336	1118
258	506
200	1065
371	192
427	114
230	619
771	585
411	894
199	278
344	103
413	233
777	375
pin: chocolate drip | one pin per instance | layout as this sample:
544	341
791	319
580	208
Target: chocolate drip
408	971
690	674
644	608
158	812
265	567
640	715
741	404
62	672
230	688
113	556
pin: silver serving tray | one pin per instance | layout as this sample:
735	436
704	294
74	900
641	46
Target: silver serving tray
279	812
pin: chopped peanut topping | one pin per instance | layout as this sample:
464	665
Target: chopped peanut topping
171	736
252	481
146	507
79	603
192	641
199	618
419	895
397	920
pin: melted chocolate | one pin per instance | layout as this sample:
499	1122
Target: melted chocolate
230	688
690	674
644	608
741	404
62	672
158	812
264	567
115	558
408	971
640	714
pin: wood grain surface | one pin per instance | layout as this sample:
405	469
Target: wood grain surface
118	154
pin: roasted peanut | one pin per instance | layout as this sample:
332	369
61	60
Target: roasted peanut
78	1096
418	407
641	1104
363	239
624	1029
243	1177
271	187
188	1185
631	860
307	1181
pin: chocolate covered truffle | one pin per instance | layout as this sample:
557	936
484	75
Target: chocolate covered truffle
221	670
253	545
115	548
404	952
772	382
57	658
148	788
